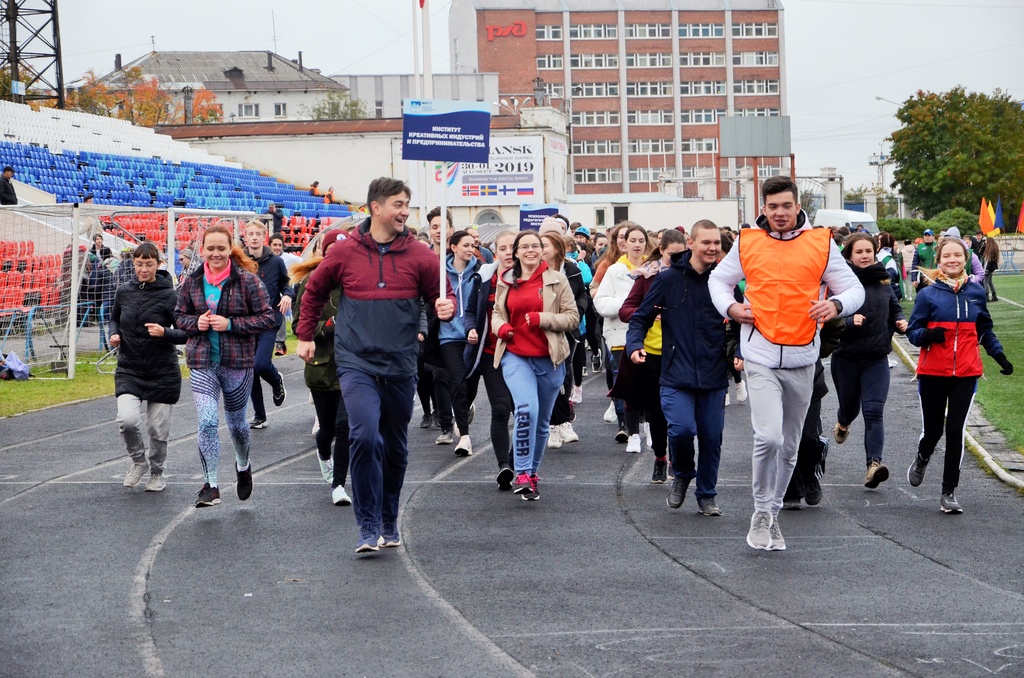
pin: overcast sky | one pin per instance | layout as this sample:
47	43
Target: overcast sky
840	54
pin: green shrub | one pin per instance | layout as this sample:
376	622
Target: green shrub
903	229
957	216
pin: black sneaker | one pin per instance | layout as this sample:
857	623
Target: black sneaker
915	474
709	506
208	496
280	393
427	421
258	423
243	486
949	504
660	471
812	492
595	362
677	494
505	477
621	436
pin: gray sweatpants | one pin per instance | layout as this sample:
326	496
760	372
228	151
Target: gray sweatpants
778	405
158	425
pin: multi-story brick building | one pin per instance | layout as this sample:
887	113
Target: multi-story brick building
643	81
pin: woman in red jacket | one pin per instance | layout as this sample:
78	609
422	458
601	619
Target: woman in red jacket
950	319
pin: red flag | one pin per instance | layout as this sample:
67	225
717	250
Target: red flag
421	3
1020	218
985	217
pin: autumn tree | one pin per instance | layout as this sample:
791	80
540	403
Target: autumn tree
92	96
336	105
956	147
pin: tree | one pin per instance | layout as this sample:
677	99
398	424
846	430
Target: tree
965	220
335	105
957	147
92	96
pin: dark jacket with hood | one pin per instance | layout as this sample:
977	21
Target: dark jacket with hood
273	273
379	307
147	367
692	331
881	310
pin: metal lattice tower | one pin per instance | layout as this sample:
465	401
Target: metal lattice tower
30	49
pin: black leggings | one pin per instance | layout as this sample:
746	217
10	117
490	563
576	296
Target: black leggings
450	387
333	417
989	286
501	404
945	402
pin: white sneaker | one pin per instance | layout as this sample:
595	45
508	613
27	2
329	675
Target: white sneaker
326	468
316	425
156	483
645	432
727	398
741	392
340	497
633	444
609	414
464	448
577	395
554	438
567	434
135	473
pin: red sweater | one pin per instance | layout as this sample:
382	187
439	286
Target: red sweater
528	341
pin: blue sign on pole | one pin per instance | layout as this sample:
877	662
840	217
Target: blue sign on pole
531	216
449	131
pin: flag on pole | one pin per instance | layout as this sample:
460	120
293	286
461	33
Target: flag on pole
986	217
997	224
421	3
1020	218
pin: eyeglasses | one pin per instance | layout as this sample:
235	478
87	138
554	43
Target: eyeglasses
534	246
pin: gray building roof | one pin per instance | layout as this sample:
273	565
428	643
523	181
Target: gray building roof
226	71
627	5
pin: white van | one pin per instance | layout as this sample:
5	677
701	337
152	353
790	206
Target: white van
849	218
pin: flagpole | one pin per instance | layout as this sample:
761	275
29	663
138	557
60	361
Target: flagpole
443	245
418	167
428	94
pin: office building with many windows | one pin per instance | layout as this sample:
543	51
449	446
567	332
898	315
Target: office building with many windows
643	82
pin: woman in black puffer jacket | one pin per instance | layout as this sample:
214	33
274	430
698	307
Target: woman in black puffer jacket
860	364
142	329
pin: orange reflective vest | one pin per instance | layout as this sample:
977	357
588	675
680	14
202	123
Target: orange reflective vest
783	276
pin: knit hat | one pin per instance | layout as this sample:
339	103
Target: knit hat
552	225
331	237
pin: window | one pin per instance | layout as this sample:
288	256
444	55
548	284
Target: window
649	117
599	216
756	87
280	110
699	145
248	110
702	59
378	109
597	89
555	90
549	32
648	31
707	87
758	112
701	116
610	147
755	59
595	118
648	174
594	60
657	60
644	146
593	31
597	176
760	30
701	30
549	61
649	89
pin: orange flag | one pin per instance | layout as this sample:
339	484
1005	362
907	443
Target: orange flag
985	217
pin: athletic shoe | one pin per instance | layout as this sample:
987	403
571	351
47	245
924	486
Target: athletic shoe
326	468
279	393
472	412
427	421
777	542
258	423
369	541
584	371
567	434
533	494
505	477
208	496
791	505
522	483
596	362
464	448
243	486
819	466
390	536
915	474
877	473
554	438
727	401
622	436
812	492
645	433
445	438
677	495
156	483
577	395
709	506
135	473
660	475
741	392
949	504
609	414
316	425
840	434
339	497
633	443
759	536
280	348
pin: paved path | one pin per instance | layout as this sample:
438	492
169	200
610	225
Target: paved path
599	578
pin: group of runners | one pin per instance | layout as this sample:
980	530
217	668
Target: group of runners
681	320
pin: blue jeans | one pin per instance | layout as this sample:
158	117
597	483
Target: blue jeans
534	383
263	368
379	411
862	383
692	413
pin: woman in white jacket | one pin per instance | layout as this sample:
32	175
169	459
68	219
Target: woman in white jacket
612	292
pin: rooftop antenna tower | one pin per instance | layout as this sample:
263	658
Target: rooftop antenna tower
30	49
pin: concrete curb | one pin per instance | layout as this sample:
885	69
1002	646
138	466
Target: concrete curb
972	443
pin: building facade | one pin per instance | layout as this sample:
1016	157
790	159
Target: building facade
382	95
643	82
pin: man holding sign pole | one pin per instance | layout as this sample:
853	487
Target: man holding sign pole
383	272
